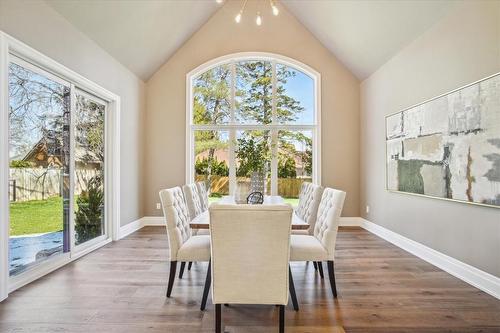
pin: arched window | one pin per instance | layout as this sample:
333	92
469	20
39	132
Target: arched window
250	116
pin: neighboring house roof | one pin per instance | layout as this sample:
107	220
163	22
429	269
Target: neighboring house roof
48	151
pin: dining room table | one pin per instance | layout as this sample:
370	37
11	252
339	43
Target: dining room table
203	221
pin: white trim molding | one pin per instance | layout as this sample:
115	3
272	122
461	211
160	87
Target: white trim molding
145	221
484	281
4	170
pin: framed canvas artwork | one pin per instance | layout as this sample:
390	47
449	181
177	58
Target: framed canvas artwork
448	147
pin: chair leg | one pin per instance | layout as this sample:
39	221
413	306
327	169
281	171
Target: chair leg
181	272
208	281
291	287
173	267
282	319
315	266
218	318
320	269
331	273
189	265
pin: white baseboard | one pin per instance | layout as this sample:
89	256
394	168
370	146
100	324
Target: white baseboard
465	272
473	276
132	227
350	221
153	221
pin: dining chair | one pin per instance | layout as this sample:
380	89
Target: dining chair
306	212
307	208
183	245
250	256
320	246
203	193
193	201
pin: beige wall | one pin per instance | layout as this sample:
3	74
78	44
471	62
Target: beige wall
462	48
166	98
39	26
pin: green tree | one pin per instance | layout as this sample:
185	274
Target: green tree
255	92
89	215
211	105
217	168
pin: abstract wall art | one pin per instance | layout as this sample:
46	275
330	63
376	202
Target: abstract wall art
448	147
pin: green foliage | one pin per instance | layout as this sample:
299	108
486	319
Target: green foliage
17	164
89	216
252	153
286	167
212	96
206	166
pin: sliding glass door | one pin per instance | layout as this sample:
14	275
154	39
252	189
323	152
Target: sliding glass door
39	156
89	168
56	171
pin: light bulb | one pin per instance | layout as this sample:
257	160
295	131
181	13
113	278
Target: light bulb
258	20
276	11
219	1
238	18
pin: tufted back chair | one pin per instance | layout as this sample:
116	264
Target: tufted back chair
250	270
177	219
309	198
193	201
327	222
202	191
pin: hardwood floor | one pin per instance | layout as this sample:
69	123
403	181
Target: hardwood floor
121	288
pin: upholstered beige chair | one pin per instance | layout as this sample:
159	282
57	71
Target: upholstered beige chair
196	212
306	211
184	247
250	255
321	245
193	201
203	193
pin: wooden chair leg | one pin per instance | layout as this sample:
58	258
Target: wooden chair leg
291	287
282	319
218	318
315	266
320	269
181	272
173	267
208	281
331	273
189	265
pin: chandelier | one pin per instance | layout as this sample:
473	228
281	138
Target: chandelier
258	17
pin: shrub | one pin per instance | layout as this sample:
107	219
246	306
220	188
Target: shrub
89	216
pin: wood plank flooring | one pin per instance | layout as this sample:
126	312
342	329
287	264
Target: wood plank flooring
121	288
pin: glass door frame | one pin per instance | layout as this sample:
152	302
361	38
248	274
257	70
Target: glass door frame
75	249
10	46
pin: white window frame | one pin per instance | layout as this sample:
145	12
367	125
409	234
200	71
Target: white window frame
232	126
10	46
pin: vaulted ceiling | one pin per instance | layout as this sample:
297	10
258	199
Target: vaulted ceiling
143	34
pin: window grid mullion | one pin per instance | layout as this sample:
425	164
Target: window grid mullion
232	133
274	136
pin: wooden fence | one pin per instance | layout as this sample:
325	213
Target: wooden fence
40	184
287	187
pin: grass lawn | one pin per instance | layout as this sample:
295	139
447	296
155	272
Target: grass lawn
37	216
292	201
